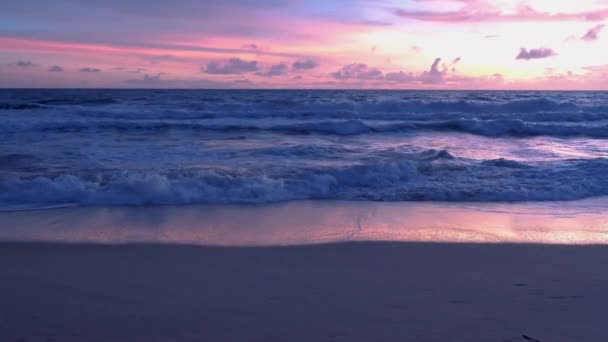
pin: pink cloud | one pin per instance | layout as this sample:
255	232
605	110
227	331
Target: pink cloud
482	11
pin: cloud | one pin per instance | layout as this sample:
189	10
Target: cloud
147	80
275	70
453	64
231	66
131	71
24	64
535	53
88	69
476	11
55	68
155	81
305	64
357	71
433	76
250	46
151	79
400	77
593	33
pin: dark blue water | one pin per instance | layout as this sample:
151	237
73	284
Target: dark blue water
87	147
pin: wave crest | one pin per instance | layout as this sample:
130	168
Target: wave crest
429	175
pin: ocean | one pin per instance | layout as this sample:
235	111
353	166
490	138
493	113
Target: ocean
178	147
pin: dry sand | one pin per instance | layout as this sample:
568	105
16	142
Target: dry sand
358	291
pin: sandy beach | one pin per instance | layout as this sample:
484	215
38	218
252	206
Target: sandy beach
366	291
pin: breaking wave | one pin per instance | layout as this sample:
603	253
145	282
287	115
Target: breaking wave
429	176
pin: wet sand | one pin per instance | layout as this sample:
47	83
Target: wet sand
313	222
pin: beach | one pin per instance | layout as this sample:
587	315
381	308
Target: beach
306	271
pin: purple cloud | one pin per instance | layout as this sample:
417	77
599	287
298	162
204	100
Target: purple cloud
400	77
55	68
357	71
275	70
593	33
433	76
526	54
437	74
454	62
151	78
305	64
24	64
231	66
155	81
87	69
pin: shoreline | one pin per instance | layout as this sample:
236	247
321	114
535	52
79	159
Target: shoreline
313	222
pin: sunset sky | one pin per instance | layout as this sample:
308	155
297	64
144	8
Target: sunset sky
402	44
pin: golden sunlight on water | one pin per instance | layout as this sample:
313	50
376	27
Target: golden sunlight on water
306	222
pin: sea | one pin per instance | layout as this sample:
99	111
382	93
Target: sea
256	167
177	147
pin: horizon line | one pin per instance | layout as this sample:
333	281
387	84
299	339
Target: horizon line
301	89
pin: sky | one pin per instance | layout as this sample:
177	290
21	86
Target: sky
383	44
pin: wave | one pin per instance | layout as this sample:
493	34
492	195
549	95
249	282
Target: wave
392	104
80	100
321	103
490	128
430	175
19	106
512	127
168	114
